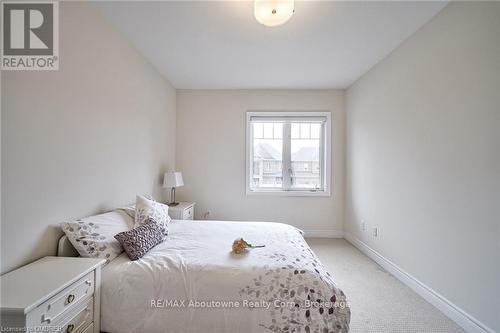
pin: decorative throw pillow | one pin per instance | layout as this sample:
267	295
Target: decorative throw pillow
146	209
93	236
137	242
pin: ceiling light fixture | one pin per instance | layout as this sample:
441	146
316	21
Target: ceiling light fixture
272	13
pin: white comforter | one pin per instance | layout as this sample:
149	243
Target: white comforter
192	282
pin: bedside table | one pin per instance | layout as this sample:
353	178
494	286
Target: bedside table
183	211
53	294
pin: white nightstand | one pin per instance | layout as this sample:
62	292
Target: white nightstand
183	211
58	293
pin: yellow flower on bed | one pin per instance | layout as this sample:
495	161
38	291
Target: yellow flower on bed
240	246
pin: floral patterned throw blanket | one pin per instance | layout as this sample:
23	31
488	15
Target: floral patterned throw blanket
192	282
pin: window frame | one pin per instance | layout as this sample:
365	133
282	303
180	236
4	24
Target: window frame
325	158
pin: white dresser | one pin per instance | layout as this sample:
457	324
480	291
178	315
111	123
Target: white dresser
53	294
183	211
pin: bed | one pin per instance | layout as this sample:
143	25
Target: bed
192	282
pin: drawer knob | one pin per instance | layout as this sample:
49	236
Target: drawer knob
70	328
46	319
70	298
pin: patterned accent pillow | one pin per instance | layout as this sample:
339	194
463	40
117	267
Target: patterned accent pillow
93	236
146	209
137	242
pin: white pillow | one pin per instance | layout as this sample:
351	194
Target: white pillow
93	236
146	209
130	210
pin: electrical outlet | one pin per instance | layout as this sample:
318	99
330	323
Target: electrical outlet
363	225
375	232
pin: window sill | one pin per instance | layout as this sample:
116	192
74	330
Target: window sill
289	193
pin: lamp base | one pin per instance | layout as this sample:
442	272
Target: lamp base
172	198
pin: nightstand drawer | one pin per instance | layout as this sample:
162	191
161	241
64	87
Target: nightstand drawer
79	318
51	310
188	213
182	211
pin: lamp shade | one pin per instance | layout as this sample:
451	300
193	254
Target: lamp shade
173	179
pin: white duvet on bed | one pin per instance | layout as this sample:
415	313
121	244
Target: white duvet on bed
279	288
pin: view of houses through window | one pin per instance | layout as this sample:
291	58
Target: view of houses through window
305	155
302	149
267	155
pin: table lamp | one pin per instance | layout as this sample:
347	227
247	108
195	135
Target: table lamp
172	180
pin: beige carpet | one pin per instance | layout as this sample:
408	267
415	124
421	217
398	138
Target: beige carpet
379	302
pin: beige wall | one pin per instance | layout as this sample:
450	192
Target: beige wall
82	139
210	152
423	157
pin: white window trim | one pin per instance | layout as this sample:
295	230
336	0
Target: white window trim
327	165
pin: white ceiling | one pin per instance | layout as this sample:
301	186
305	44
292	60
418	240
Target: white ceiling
219	44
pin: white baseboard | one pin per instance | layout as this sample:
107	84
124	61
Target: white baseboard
327	233
462	318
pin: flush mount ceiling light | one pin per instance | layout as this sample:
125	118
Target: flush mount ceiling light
272	13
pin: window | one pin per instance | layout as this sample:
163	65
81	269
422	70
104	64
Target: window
288	153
